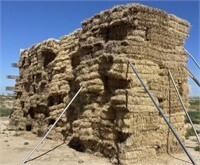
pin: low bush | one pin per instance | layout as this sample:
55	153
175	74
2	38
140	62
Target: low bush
5	111
195	117
189	132
197	148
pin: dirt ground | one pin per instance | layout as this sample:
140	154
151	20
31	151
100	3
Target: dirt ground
15	145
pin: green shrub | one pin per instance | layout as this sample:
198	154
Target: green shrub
189	132
17	134
195	117
5	111
197	148
26	143
196	102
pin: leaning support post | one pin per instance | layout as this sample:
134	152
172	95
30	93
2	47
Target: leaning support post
193	77
180	99
195	61
163	115
28	156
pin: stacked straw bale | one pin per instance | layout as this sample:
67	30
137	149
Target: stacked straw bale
113	115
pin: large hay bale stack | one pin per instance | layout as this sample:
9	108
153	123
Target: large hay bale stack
113	115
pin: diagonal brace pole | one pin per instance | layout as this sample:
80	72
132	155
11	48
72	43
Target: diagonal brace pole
41	141
163	115
193	77
195	61
180	99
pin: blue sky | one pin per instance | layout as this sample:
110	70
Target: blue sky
24	23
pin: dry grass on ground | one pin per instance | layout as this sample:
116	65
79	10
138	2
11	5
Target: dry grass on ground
16	144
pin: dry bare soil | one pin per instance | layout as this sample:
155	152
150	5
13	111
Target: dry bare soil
15	145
